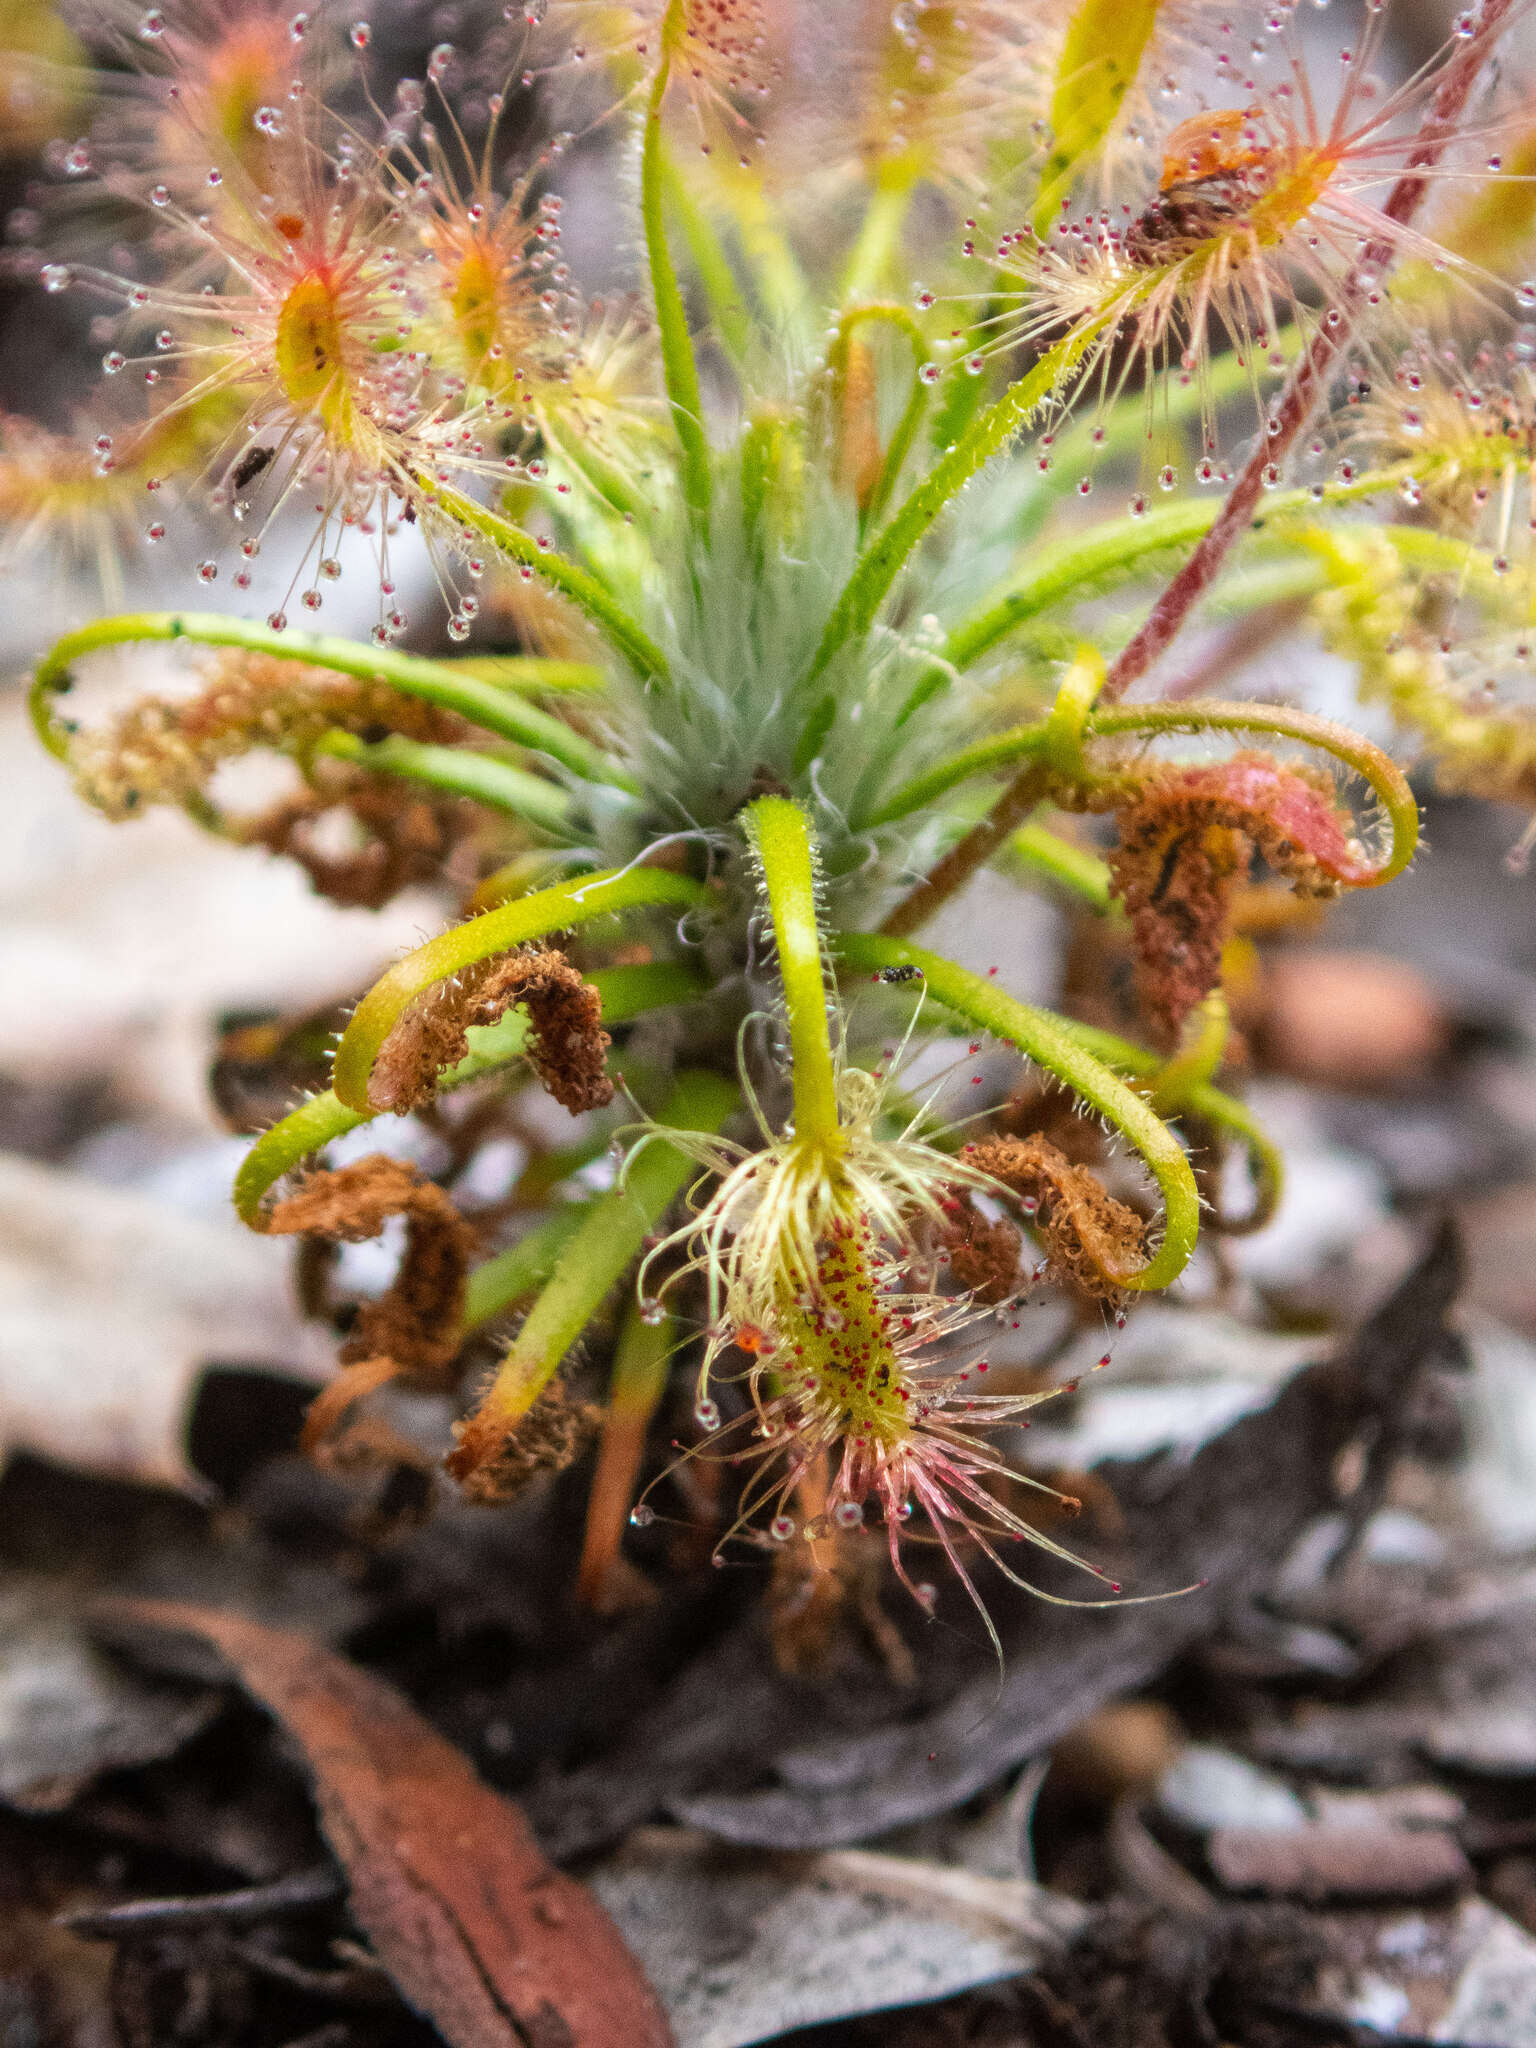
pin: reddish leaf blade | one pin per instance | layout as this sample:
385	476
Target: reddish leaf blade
481	1934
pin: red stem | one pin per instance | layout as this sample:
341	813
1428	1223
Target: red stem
1171	610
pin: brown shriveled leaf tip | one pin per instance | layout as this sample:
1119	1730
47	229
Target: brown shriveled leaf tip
567	1045
414	1330
1187	838
1092	1241
983	1256
402	836
351	1204
482	1936
493	1463
163	750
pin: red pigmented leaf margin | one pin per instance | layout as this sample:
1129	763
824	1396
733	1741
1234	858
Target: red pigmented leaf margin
482	1935
1187	838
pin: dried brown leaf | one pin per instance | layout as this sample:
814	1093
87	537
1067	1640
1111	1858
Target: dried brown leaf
481	1935
567	1045
414	1330
552	1435
402	835
1091	1240
418	1321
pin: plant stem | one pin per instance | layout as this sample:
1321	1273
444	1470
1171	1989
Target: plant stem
1199	1058
838	356
1058	741
604	479
762	468
494	710
304	1131
640	1361
593	1261
879	231
480	938
777	278
781	838
1087	561
1075	868
680	371
1197	1099
880	563
500	1283
1306	382
1028	788
1050	1043
584	590
461	772
530	675
727	301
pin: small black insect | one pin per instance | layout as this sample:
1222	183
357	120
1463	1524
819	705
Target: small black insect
905	973
250	466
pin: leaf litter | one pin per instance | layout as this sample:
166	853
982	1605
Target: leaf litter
471	1575
476	1928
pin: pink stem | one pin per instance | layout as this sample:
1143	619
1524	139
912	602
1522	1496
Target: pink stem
1168	615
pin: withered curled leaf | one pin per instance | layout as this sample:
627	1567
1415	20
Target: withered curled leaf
567	1045
401	835
1187	839
1091	1240
413	1331
549	1437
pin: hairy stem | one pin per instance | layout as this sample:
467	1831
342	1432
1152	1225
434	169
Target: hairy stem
593	1260
1028	788
781	839
503	1282
459	771
1087	561
838	357
1198	1099
640	1362
884	217
1059	750
494	710
1050	1043
680	370
879	565
1074	868
722	289
530	675
1040	774
580	586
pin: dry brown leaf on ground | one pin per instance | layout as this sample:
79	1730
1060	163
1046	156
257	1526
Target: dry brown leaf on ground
486	1939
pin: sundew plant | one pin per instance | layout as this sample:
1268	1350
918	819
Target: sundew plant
971	357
